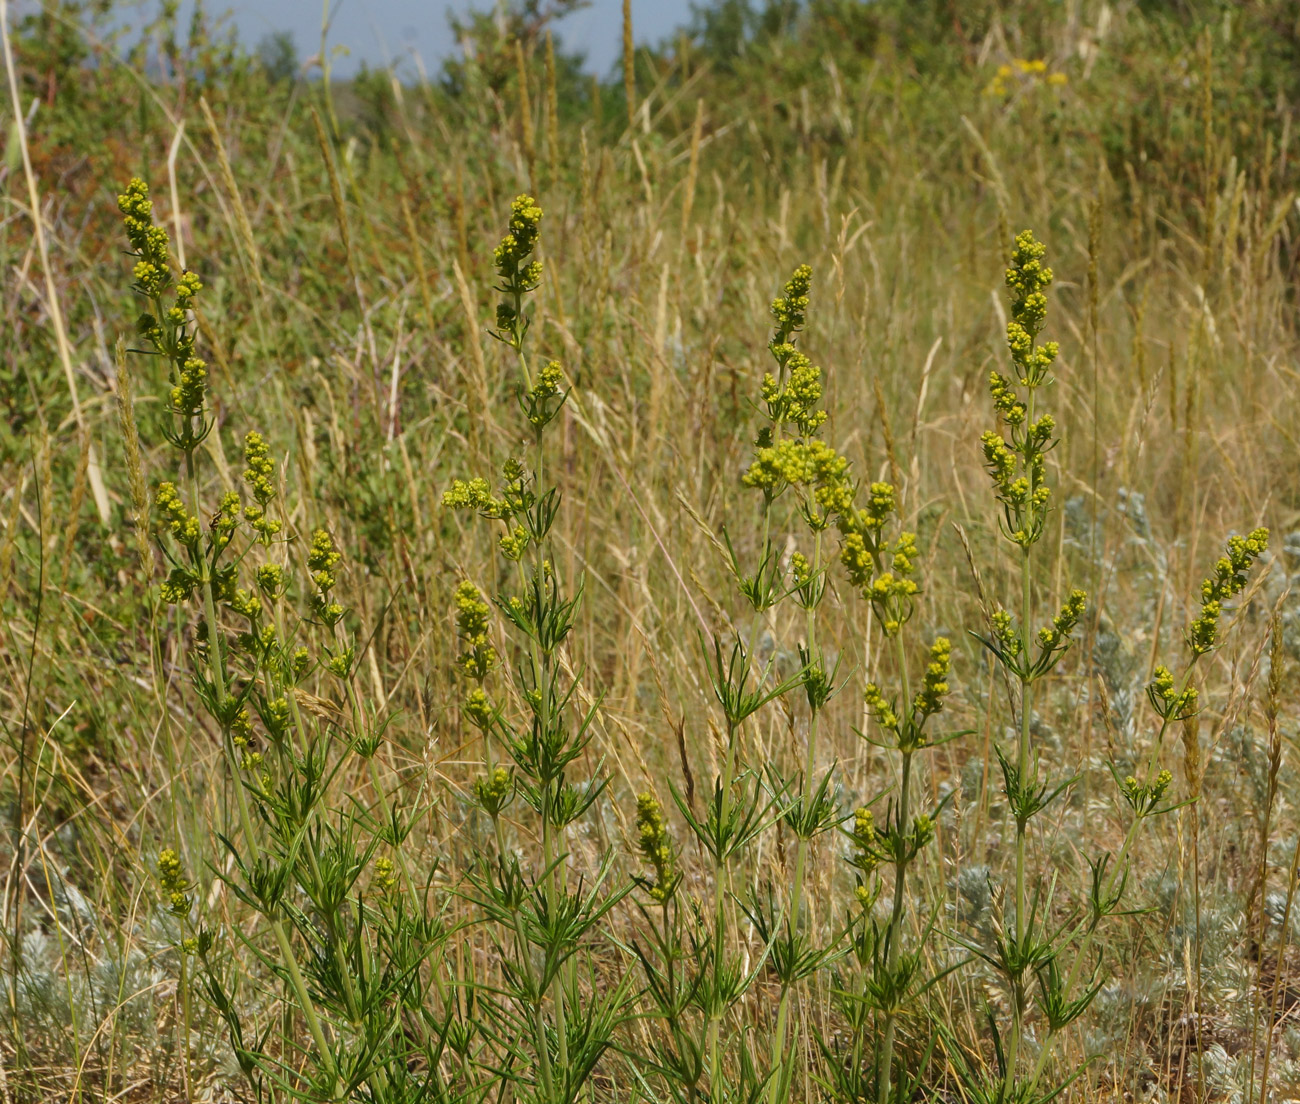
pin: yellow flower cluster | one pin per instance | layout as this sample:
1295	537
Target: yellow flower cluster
1168	702
385	876
879	708
1145	798
795	400
865	852
260	468
795	463
182	526
790	308
800	569
149	241
169	333
538	402
934	686
520	239
1021	73
1005	634
494	792
322	558
1228	580
479	657
474	494
518	275
655	847
1050	637
864	555
246	604
174	886
890	591
514	543
1026	278
270	580
1018	465
478	708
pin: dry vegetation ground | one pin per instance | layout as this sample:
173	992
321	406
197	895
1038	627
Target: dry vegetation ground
1163	182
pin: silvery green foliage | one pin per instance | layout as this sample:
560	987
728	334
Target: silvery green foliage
974	895
96	989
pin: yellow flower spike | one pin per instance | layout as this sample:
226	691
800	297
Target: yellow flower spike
656	849
479	657
171	877
934	688
385	876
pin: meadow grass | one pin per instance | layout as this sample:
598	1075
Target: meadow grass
524	588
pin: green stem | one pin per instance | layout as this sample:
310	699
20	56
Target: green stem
857	1028
525	956
217	664
304	1000
719	918
556	880
801	852
895	930
1107	889
185	1026
245	818
1023	751
884	1084
1023	760
350	997
796	895
728	777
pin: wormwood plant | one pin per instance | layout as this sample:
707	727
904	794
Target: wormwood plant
352	936
1043	948
548	1022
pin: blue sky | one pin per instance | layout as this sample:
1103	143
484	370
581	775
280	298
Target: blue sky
381	30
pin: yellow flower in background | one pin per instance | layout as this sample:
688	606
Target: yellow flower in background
1023	73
